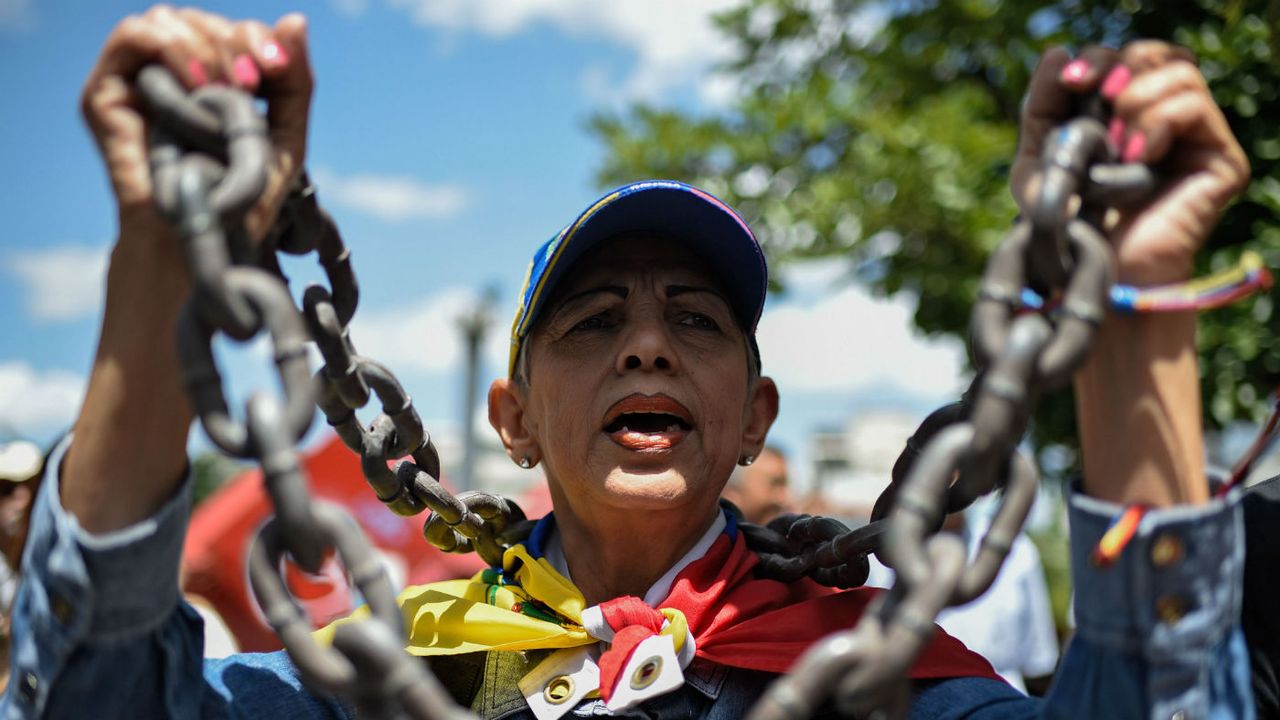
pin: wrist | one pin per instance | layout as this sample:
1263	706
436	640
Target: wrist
149	257
1138	404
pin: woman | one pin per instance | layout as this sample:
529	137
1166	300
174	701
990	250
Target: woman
636	385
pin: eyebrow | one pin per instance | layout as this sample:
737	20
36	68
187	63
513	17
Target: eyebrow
676	290
618	290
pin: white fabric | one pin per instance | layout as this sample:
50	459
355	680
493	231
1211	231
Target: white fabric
8	586
576	664
594	623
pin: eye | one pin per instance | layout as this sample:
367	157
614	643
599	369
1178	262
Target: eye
700	321
599	321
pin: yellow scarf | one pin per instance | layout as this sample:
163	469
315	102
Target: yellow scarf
541	609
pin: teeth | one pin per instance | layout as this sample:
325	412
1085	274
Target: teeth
672	428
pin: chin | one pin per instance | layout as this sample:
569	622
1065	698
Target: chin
648	490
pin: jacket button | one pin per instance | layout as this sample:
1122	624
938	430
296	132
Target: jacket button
1170	609
28	687
1166	551
61	609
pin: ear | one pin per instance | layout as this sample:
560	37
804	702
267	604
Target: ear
761	411
506	415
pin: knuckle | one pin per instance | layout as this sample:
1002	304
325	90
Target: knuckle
208	22
131	27
1100	55
1185	75
251	30
161	11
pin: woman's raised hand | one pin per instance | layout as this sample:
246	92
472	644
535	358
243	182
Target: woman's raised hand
129	454
1163	115
198	48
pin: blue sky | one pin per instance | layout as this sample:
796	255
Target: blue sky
449	138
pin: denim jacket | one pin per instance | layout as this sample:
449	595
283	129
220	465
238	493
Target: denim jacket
100	630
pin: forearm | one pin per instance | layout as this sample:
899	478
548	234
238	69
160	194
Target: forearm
1138	404
130	438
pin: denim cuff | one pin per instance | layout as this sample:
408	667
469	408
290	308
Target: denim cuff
126	580
1170	603
1176	586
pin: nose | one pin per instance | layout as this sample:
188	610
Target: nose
646	346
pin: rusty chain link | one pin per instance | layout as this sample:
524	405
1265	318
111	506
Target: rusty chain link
209	154
967	449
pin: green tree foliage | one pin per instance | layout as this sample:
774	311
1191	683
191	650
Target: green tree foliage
885	131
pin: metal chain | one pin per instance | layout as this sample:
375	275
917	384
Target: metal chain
468	522
824	549
970	448
209	155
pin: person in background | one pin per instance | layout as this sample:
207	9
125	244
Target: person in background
21	465
760	490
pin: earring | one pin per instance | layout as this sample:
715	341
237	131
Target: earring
525	462
746	460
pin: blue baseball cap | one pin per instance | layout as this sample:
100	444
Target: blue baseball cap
664	208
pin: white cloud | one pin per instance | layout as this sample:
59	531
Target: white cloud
848	340
34	402
424	336
674	41
394	198
62	283
16	15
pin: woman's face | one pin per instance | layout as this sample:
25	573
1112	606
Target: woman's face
638	393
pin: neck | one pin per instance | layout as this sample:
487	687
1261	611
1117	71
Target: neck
612	554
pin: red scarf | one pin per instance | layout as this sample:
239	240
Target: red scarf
742	621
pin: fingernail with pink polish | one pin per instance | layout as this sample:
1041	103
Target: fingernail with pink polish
1134	148
196	69
1075	70
274	56
1116	81
246	72
1115	132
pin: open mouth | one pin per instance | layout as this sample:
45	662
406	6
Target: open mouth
648	422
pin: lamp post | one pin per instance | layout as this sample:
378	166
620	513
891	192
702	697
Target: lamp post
474	325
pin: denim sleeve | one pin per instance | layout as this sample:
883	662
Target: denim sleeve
100	629
1158	631
1158	634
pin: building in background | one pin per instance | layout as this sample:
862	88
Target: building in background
851	466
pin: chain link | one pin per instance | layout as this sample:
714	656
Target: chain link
969	448
209	154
